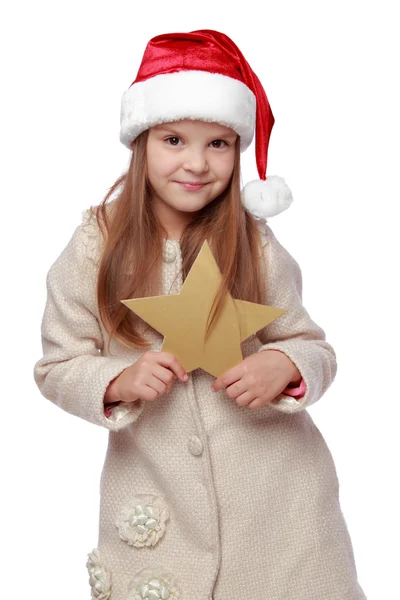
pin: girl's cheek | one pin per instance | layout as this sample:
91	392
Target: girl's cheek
224	164
226	171
168	167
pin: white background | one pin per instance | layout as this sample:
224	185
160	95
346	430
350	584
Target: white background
331	75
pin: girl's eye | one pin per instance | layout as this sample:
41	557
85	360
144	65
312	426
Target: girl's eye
218	143
173	141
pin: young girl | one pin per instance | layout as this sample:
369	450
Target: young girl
211	488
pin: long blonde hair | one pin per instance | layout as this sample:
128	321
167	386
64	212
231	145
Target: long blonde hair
131	261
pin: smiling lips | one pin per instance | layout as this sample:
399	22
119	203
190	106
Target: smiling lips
191	185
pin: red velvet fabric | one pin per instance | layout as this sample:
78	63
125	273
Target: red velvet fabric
215	52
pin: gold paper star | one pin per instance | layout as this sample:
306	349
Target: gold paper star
182	319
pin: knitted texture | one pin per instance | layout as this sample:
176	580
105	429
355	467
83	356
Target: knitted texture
252	496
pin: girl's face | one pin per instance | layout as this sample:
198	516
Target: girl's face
189	163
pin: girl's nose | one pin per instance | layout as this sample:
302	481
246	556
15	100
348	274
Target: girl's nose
195	161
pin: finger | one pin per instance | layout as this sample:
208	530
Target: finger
147	393
170	384
245	398
256	403
163	374
236	389
171	362
157	385
227	378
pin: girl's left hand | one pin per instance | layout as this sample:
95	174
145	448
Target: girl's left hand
258	379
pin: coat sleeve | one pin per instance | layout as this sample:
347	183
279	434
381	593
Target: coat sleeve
72	372
294	333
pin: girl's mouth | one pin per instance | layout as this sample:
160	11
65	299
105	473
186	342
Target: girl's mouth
191	187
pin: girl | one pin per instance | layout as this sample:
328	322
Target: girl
211	488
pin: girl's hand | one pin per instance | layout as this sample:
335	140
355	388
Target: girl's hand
258	379
148	378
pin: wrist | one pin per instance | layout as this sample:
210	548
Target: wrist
296	378
111	393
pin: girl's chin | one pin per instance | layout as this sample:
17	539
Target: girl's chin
188	205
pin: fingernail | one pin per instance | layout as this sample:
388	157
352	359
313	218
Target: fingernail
213	388
185	377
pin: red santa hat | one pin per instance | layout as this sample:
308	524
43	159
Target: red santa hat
202	75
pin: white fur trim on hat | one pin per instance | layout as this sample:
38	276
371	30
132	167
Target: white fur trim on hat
267	198
197	95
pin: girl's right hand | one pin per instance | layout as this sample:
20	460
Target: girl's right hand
147	379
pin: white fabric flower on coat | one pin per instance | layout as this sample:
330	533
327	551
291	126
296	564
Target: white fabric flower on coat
142	522
153	585
99	577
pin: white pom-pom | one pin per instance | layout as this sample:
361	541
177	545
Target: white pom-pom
267	198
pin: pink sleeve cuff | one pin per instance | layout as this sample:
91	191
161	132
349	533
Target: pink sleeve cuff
108	408
297	392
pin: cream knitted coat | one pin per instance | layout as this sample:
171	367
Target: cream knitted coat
201	498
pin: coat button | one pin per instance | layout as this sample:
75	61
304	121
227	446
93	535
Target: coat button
195	445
